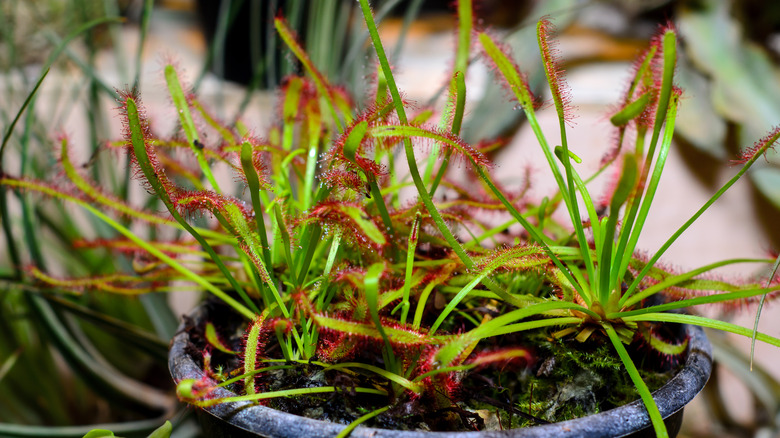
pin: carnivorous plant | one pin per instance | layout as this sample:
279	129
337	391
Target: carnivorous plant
347	282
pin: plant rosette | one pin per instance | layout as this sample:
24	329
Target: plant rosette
411	311
247	419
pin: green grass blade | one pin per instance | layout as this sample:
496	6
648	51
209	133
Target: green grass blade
19	113
606	267
766	143
146	18
103	378
675	280
705	322
644	392
8	233
758	310
734	295
148	342
253	183
410	252
351	426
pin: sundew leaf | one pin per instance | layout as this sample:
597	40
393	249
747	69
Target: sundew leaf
185	118
348	151
661	345
214	340
738	295
137	132
515	258
553	70
396	336
122	284
333	99
127	246
351	218
689	281
250	353
448	140
453	116
253	184
409	151
519	86
188	274
88	188
758	150
228	136
180	144
236	219
455	350
182	107
353	141
631	110
503	63
562	102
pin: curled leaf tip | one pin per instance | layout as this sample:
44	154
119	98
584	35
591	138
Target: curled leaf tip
759	148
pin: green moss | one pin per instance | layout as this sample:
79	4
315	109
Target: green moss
569	379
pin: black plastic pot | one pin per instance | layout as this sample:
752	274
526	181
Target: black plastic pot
247	420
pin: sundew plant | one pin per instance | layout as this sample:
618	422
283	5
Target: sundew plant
332	269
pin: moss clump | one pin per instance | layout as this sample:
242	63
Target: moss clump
569	379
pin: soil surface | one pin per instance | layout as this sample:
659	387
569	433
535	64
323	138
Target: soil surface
564	379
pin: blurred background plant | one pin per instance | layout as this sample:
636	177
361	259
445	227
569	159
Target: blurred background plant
68	363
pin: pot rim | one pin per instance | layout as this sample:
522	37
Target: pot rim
626	419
